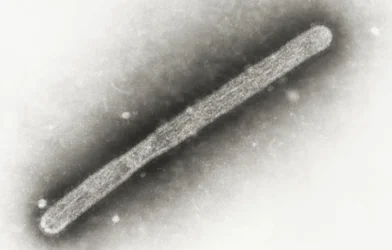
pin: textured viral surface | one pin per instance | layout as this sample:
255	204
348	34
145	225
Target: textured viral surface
302	165
185	125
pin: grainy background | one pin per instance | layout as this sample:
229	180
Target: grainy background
303	165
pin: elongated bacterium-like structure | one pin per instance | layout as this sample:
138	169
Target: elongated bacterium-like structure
184	126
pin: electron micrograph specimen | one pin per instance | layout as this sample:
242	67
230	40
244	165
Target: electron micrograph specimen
200	124
184	126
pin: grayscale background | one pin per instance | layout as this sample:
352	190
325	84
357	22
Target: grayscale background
303	165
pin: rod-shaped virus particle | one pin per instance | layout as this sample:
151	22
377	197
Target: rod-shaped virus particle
183	126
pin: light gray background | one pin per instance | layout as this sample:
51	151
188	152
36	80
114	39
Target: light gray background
279	172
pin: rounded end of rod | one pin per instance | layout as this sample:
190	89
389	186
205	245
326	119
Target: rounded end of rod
322	35
48	226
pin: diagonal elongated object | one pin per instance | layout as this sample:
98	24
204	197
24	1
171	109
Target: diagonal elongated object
183	126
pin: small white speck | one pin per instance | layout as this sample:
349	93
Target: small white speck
126	115
42	203
192	132
143	174
189	110
115	218
254	144
50	127
292	95
375	31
